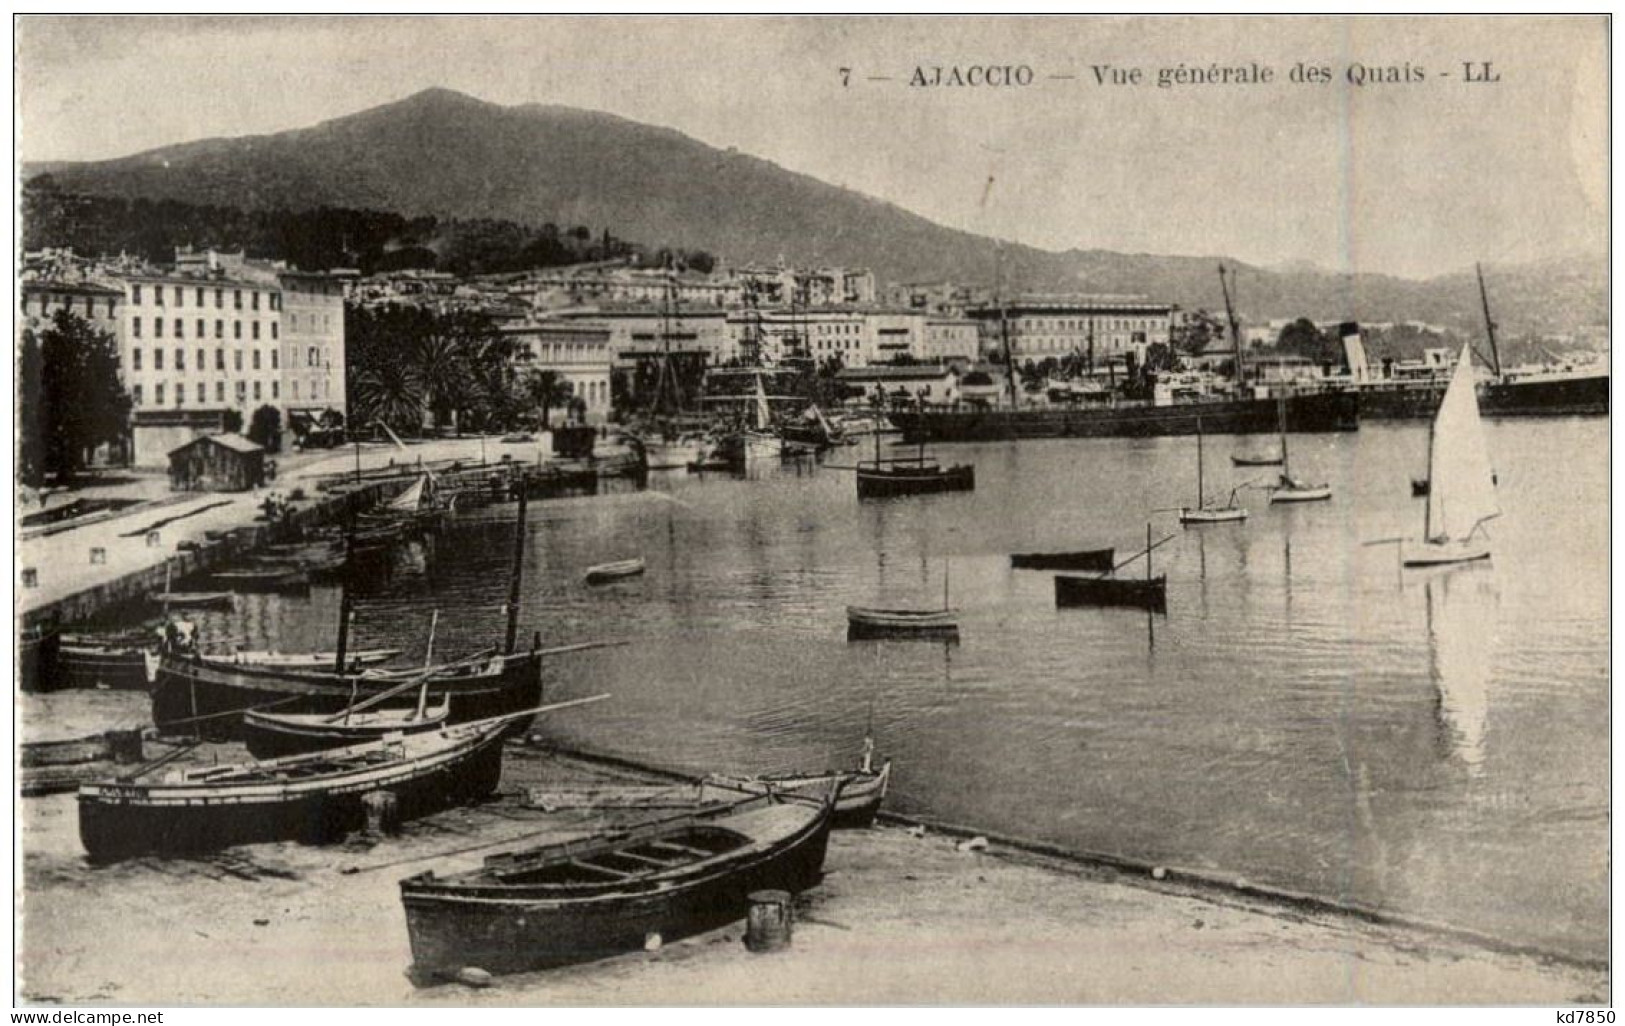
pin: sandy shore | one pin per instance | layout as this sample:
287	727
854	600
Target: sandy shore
899	919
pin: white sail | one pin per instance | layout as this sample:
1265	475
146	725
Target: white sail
409	500
1461	490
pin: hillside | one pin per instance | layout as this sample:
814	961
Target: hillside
447	155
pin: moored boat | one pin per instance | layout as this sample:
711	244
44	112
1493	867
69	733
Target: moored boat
1083	559
353	660
919	474
603	573
1110	590
871	622
113	663
861	790
1206	511
581	900
314	797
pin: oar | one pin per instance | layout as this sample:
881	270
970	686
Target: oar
367	703
1145	551
1383	541
581	646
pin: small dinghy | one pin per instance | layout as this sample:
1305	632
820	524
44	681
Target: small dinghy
603	573
862	790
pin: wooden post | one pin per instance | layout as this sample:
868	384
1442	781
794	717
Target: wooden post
1148	550
769	922
516	575
344	598
383	813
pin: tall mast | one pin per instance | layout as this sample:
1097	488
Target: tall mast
516	572
1201	492
1489	323
1286	465
1235	326
1004	321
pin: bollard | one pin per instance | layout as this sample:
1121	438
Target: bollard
125	747
383	813
98	555
30	577
768	923
154	539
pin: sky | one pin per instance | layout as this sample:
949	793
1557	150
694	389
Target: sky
1409	177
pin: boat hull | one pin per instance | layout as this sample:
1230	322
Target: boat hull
118	820
856	804
1226	515
1112	591
1327	411
193	696
105	667
863	622
607	572
885	484
1423	554
1100	560
1551	397
269	736
1316	494
450	931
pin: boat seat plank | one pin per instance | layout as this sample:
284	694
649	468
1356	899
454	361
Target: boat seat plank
681	849
596	868
650	859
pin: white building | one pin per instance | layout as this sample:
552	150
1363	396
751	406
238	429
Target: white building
579	353
1097	327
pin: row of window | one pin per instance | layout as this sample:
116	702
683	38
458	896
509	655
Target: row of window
160	392
219	359
179	328
273	299
67	304
1090	324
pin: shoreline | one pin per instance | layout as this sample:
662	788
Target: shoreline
903	916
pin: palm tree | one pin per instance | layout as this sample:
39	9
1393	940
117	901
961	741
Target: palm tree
547	389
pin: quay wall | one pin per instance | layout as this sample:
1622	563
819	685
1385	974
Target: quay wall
328	507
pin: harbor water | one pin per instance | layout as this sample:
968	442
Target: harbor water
1306	716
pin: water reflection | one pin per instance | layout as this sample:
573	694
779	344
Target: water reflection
1462	613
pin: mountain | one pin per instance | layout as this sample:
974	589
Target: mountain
445	154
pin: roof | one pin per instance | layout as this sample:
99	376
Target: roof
231	440
77	288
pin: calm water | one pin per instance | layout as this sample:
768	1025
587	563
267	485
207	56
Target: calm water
1433	743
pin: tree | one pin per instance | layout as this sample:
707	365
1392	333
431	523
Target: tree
265	428
1303	338
232	421
1199	330
545	390
74	402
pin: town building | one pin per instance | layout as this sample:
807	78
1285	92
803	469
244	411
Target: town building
217	463
642	332
952	339
312	361
578	353
1096	328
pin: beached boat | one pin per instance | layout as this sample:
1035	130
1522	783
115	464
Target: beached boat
603	573
1083	559
118	663
354	659
314	797
1461	492
862	790
625	889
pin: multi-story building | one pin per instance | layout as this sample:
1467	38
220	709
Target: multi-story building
894	334
648	332
952	340
100	306
579	353
312	382
773	337
1098	328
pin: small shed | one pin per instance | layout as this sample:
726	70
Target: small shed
217	463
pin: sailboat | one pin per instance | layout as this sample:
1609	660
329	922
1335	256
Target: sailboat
1290	489
1461	489
668	442
1205	513
760	441
865	622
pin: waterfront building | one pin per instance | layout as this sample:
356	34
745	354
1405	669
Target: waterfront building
1096	328
952	339
313	360
100	305
912	385
578	352
644	332
217	463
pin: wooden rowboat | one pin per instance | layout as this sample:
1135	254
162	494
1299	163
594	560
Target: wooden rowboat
353	659
861	790
602	895
1085	559
606	572
1110	590
868	622
271	734
314	798
114	663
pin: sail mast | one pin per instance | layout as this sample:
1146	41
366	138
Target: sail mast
1235	325
1489	323
1201	491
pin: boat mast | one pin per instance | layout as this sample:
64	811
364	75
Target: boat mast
1286	464
344	596
1201	491
1489	323
1004	322
514	578
1235	326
